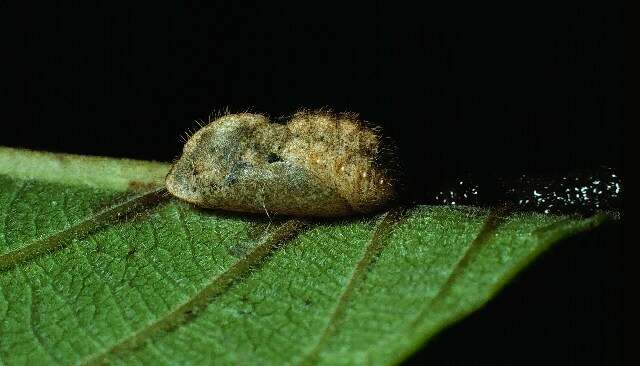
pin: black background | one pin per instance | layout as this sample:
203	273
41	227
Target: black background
489	89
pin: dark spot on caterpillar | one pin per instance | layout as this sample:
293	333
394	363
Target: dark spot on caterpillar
273	158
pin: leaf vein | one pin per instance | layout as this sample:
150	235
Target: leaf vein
152	261
32	327
494	219
68	305
189	238
372	249
179	315
57	239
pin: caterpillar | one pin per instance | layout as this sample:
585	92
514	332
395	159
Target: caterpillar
317	163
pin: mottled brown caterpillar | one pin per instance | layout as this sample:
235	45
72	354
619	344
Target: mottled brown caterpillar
317	164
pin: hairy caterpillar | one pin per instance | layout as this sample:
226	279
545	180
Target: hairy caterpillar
316	164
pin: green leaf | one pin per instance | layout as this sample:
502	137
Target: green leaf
98	266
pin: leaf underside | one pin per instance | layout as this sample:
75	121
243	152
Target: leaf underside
97	266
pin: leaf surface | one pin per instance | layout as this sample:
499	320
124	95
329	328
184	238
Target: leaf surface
98	266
